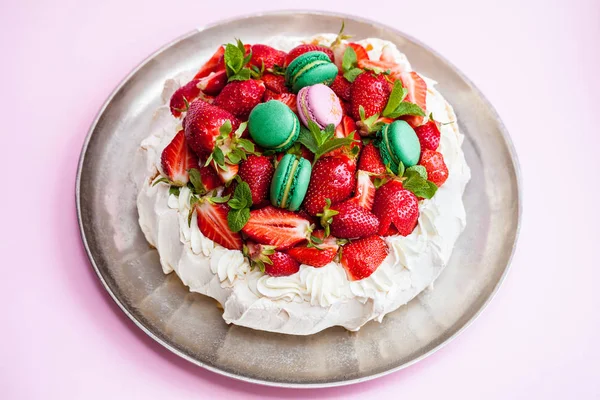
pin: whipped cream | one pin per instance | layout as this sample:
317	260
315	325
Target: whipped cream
313	298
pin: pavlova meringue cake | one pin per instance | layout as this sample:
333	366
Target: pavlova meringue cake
304	183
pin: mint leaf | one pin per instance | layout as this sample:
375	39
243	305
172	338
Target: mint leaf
236	204
332	145
242	192
415	183
352	74
234	59
396	96
420	170
308	140
237	219
329	131
350	60
406	108
243	75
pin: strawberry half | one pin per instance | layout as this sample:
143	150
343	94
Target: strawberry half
209	178
267	56
370	91
275	227
429	135
348	220
370	160
364	195
417	93
288	99
395	205
240	97
305	48
316	255
257	171
212	221
177	158
215	63
361	52
332	178
362	257
214	83
275	83
183	97
202	124
437	172
345	128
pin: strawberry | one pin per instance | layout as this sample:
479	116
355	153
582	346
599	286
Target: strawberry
437	172
214	83
332	178
257	171
299	150
210	180
346	127
429	135
227	172
348	220
215	63
177	158
381	66
183	96
361	52
270	261
275	83
364	195
212	221
417	93
362	257
202	124
316	255
267	56
341	87
280	228
394	204
240	97
288	99
371	92
305	48
370	160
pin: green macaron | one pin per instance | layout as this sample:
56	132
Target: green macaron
399	142
273	125
290	182
309	69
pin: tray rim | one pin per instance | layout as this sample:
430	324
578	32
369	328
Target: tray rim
505	135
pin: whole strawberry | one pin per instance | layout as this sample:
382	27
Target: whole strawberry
267	56
370	91
348	220
429	135
332	178
370	160
395	205
275	83
362	257
240	97
269	260
257	171
177	158
183	96
341	87
305	48
202	123
437	172
316	254
288	99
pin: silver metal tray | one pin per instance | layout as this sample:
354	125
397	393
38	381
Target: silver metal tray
191	326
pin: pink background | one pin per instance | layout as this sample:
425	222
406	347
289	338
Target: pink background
538	62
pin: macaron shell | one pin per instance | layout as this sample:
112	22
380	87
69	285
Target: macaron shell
273	125
399	142
319	104
300	186
309	69
279	180
292	175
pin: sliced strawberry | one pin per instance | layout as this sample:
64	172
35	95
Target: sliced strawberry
213	83
362	257
349	220
316	255
280	228
257	171
305	48
361	52
212	221
240	97
341	87
183	96
227	172
202	126
437	172
370	160
275	83
332	178
364	195
417	93
177	158
429	135
215	63
344	129
395	71
209	178
394	204
267	56
288	99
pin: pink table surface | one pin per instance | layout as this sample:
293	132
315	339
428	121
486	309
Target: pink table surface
538	63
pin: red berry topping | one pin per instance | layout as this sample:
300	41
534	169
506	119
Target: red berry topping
240	97
429	135
370	160
361	52
288	99
263	54
437	172
332	178
341	87
177	158
215	63
257	171
395	205
275	83
202	123
272	262
276	227
183	96
305	48
214	83
316	255
362	257
417	93
212	221
370	91
350	220
364	195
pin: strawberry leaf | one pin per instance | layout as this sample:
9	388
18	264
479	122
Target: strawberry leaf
246	145
401	169
193	201
219	157
352	74
174	190
196	181
162	179
406	108
341	36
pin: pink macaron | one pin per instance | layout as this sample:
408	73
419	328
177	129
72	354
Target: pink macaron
318	103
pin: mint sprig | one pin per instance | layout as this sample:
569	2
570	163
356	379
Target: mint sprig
239	205
350	65
397	107
236	60
320	141
415	183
